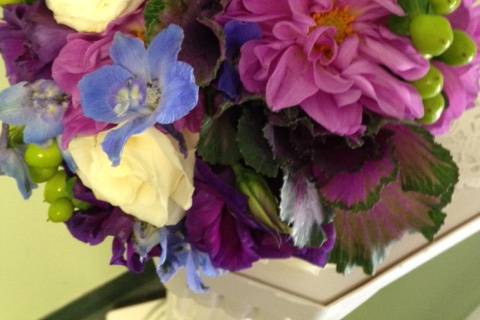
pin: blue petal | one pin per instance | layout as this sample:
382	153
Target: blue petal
12	164
39	131
179	93
193	279
98	93
237	33
117	138
68	159
130	53
164	49
15	104
229	81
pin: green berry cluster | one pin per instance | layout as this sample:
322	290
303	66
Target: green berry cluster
44	164
433	37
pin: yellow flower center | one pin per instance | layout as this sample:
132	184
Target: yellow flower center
341	18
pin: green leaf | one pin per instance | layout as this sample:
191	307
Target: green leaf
399	25
152	14
253	146
218	143
425	166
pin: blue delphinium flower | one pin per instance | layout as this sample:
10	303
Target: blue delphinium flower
13	165
38	106
142	88
176	253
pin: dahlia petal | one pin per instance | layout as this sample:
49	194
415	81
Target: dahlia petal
292	81
346	120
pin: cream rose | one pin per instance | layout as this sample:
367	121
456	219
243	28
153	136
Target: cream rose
91	15
154	181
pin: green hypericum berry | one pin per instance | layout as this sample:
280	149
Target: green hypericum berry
40	175
433	109
43	157
431	34
56	188
445	7
431	84
462	51
60	211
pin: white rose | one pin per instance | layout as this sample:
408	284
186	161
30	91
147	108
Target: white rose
91	15
154	181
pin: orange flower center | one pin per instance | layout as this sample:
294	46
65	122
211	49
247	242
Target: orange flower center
340	17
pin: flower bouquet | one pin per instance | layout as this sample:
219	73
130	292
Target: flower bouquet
210	134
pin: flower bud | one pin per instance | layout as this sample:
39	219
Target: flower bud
261	202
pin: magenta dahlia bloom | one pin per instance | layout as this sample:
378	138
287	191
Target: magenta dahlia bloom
332	58
461	83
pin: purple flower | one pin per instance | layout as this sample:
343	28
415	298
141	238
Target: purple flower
30	40
141	88
38	106
334	59
220	224
101	221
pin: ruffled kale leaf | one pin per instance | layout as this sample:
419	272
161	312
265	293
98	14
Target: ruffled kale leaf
254	148
423	186
218	143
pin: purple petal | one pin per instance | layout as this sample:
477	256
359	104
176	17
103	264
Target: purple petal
360	189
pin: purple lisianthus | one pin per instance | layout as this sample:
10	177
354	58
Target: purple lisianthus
141	88
30	40
38	106
219	223
101	221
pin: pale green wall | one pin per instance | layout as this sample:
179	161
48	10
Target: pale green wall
446	288
41	266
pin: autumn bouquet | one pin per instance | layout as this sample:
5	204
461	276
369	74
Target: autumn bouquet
210	134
